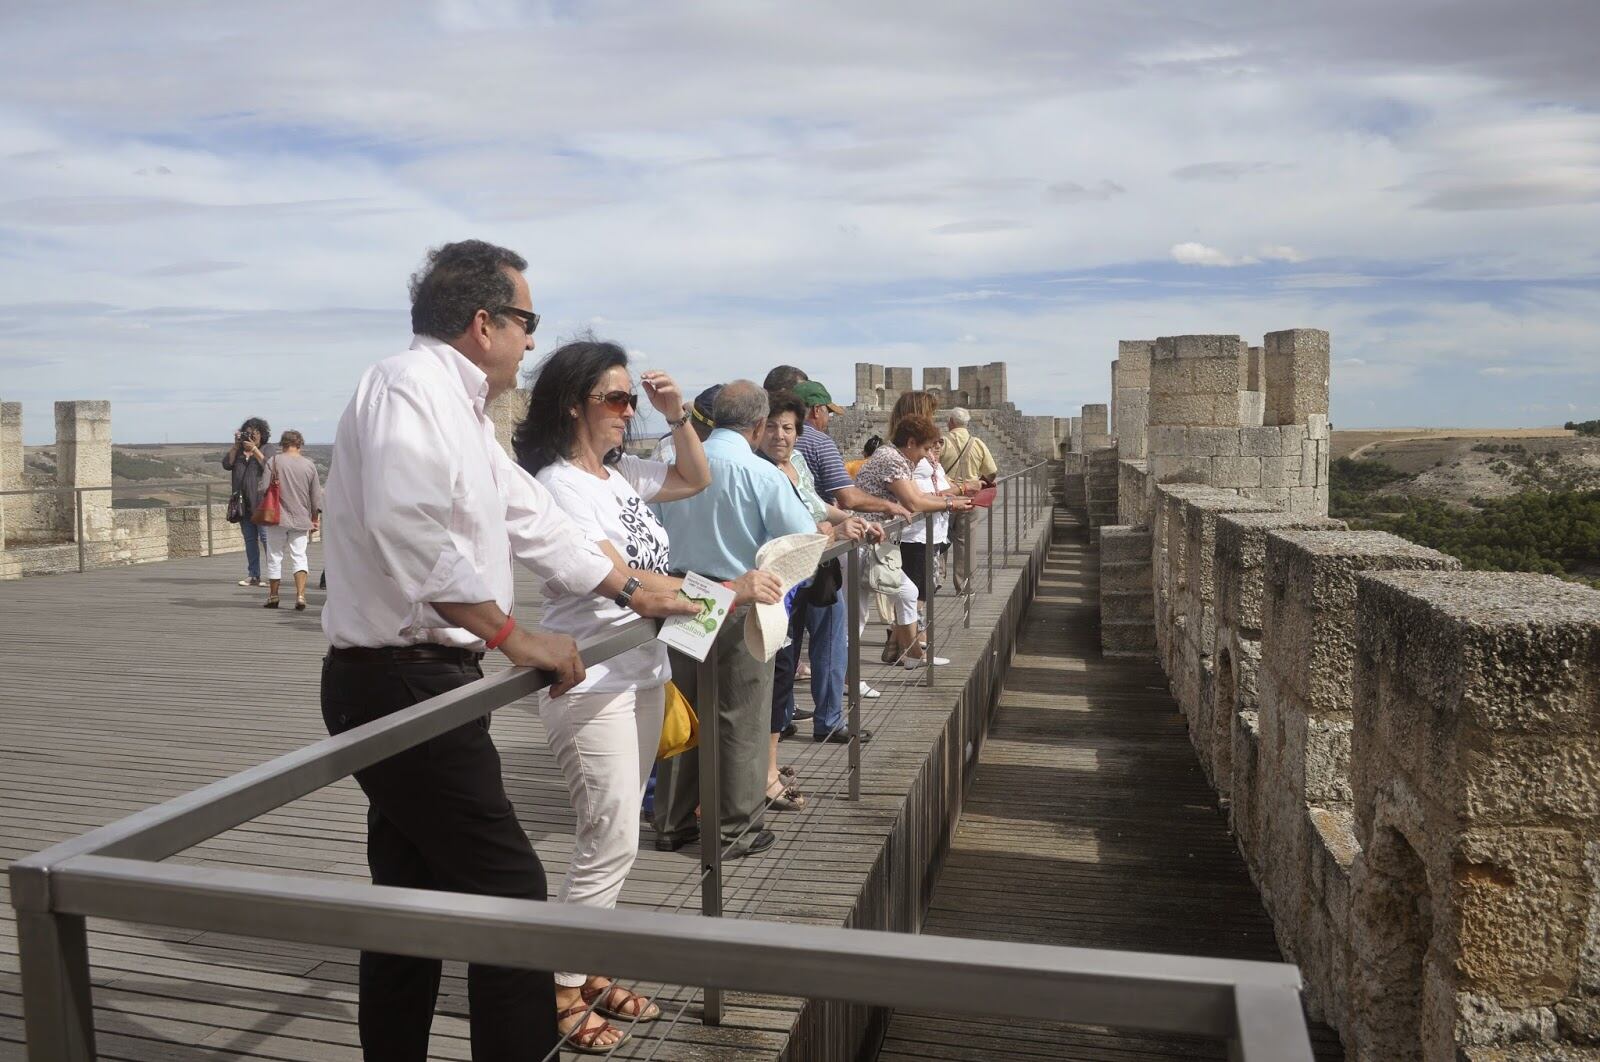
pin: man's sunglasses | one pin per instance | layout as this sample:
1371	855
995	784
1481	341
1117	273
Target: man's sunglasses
617	401
529	319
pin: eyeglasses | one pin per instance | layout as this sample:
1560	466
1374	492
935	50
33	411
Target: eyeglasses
617	401
529	319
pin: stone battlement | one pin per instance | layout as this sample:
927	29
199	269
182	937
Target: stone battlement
39	533
1406	751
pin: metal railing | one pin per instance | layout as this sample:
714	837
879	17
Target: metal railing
116	872
77	505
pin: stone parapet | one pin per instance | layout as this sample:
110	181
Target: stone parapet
1134	497
1295	374
1126	608
1101	487
1308	648
1474	926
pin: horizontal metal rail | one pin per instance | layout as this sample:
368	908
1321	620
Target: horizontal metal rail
113	872
134	487
1133	990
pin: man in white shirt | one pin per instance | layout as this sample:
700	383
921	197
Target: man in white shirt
424	515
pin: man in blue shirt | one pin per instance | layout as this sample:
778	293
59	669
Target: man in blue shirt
716	534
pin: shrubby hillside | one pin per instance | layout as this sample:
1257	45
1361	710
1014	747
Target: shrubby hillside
1535	530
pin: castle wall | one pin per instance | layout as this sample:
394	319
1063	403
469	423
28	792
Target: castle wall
1409	754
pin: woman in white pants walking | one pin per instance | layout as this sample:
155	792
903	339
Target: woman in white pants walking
300	492
605	730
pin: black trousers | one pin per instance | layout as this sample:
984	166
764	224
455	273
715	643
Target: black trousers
440	819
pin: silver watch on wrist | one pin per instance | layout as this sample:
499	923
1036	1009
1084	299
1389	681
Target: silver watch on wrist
625	595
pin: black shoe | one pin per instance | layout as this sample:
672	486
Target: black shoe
669	842
802	715
760	841
787	732
841	737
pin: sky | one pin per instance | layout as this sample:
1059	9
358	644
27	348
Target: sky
210	210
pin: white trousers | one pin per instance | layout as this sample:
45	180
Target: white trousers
286	539
605	744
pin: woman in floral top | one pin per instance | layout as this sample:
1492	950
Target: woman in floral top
888	474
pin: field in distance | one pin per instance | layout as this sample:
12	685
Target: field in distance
1459	464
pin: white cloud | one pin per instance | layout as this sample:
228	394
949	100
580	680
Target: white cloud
1494	370
1201	255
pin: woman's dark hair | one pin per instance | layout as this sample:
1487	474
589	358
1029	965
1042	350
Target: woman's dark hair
915	428
548	432
870	447
457	281
260	426
786	402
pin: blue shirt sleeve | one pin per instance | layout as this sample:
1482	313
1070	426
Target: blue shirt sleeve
827	468
782	511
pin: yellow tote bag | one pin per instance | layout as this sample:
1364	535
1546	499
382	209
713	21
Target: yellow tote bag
680	727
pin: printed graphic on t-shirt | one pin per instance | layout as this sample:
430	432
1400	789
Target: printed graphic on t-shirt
646	546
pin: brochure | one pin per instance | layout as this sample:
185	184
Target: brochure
693	635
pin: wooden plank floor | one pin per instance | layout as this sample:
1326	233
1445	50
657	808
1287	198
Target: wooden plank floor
123	687
1088	824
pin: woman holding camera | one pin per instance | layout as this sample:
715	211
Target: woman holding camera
246	461
604	731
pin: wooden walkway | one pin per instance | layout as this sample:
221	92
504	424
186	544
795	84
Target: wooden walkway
1088	824
124	687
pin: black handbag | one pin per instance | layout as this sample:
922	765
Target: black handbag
826	584
236	507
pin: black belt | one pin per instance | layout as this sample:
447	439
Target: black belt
423	652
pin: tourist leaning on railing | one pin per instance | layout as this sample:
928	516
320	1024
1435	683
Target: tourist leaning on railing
605	730
970	465
837	487
812	612
300	512
246	460
426	514
716	534
930	479
888	474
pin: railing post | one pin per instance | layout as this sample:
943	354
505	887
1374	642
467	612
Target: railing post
988	531
1005	519
211	549
1268	1024
929	569
710	809
57	1000
77	516
1016	522
852	596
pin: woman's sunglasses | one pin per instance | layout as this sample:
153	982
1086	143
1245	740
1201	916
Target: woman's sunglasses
617	401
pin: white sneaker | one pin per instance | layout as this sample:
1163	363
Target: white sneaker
912	663
249	582
868	692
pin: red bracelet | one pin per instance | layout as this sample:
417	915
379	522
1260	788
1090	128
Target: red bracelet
502	634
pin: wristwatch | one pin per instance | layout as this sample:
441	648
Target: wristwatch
626	594
681	421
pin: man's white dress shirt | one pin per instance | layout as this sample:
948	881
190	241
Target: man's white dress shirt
423	505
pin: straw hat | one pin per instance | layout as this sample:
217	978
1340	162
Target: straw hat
793	559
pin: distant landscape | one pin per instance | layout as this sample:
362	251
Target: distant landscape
1512	500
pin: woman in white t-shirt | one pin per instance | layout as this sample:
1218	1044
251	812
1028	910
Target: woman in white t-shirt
605	730
929	476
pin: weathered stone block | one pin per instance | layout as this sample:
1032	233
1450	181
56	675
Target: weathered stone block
1295	366
1309	614
1241	547
1096	419
1236	472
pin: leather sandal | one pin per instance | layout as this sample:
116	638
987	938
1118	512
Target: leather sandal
272	602
647	1009
582	1038
890	653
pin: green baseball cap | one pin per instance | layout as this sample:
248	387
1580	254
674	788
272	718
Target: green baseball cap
814	394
